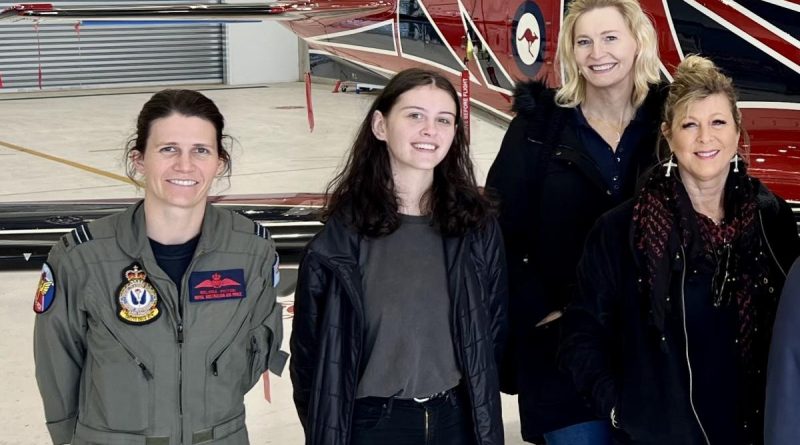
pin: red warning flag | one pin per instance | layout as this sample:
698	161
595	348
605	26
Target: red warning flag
465	105
38	52
267	392
309	105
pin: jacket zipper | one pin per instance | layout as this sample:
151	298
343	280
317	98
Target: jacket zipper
686	342
145	372
769	247
457	339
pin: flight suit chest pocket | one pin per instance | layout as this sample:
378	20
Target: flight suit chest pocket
118	389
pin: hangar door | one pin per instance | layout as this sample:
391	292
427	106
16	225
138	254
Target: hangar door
108	55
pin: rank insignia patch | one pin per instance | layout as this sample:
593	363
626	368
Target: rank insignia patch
137	299
216	285
45	290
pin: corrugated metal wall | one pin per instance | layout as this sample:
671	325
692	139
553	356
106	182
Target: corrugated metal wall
109	55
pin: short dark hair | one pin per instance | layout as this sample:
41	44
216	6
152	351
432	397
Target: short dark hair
187	103
363	192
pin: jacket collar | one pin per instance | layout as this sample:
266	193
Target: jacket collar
528	94
339	244
131	230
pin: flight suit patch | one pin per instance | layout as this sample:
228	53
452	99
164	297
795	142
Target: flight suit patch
137	299
216	285
276	271
45	290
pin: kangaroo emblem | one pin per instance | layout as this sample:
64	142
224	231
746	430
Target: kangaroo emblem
530	38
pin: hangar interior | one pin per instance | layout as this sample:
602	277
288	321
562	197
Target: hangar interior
62	137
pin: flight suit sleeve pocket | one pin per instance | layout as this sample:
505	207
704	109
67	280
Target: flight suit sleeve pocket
276	358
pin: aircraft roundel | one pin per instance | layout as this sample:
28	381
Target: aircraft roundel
528	38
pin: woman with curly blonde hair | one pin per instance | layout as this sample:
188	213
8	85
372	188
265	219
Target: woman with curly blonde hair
678	287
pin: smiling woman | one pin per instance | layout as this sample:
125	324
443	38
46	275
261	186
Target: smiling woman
400	307
679	286
569	156
153	323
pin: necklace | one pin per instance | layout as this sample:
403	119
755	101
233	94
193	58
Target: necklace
616	128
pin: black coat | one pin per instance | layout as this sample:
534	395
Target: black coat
328	329
551	193
612	346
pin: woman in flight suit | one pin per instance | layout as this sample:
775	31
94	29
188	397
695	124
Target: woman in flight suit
153	323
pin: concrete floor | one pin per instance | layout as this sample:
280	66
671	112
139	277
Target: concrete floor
71	148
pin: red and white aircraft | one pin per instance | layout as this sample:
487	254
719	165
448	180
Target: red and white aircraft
757	42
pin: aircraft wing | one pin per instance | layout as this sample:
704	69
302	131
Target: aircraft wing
193	12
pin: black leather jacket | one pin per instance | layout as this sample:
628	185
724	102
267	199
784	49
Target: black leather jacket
328	329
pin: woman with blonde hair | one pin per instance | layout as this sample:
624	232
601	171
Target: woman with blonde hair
568	156
678	287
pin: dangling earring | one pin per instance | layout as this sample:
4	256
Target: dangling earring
735	162
670	163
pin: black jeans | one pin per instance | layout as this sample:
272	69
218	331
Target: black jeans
444	420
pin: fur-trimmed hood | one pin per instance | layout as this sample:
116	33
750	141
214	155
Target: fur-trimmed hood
530	92
527	94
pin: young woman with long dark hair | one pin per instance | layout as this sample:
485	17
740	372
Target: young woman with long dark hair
401	299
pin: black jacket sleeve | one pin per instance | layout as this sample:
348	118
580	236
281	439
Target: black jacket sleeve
303	344
510	182
783	374
498	291
784	241
588	322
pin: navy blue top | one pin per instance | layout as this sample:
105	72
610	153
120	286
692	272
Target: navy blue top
174	259
613	165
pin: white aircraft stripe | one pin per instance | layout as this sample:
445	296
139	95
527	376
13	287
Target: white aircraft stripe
672	31
770	105
754	17
784	4
747	37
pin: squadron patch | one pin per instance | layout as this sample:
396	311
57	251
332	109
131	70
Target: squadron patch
216	285
137	300
45	290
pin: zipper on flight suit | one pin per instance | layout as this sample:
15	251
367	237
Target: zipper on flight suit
146	372
214	367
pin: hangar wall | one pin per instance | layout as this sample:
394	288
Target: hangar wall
264	52
60	56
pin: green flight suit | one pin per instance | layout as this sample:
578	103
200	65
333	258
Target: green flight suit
178	374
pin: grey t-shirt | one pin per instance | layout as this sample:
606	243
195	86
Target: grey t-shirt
409	347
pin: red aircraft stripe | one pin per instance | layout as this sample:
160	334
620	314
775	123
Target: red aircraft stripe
667	45
754	29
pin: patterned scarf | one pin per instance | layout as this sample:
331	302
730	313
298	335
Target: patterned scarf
666	224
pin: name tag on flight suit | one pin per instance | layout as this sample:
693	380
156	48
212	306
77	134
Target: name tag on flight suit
216	285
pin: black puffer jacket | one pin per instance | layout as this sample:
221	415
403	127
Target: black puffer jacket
613	346
551	192
328	329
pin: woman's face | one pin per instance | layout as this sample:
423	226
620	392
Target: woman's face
604	48
180	161
418	130
704	139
